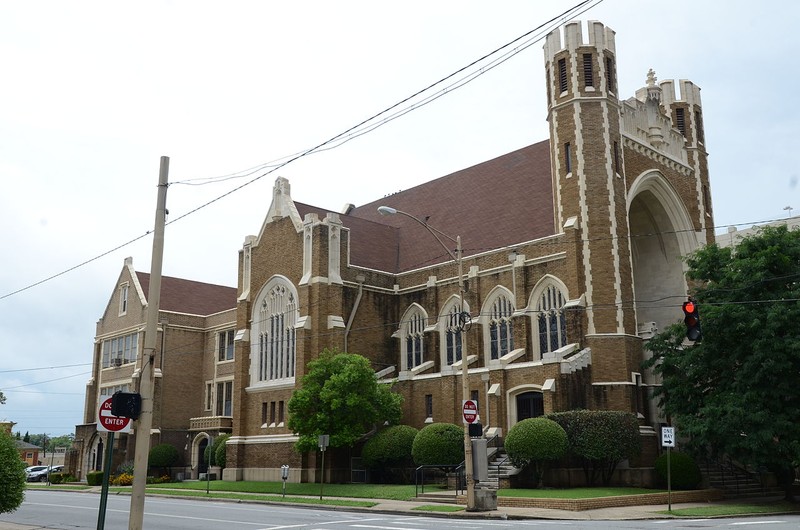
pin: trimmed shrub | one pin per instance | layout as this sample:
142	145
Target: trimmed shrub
94	478
388	452
535	441
163	456
439	444
685	473
600	440
12	474
220	450
57	478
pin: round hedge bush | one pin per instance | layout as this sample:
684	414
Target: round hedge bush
535	440
685	474
389	447
163	456
220	450
439	444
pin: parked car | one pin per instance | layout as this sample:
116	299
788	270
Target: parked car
41	474
33	469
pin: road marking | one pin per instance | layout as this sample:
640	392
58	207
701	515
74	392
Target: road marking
757	522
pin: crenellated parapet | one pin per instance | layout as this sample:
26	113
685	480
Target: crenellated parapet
578	67
600	37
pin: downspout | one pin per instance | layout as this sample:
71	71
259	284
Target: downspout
360	278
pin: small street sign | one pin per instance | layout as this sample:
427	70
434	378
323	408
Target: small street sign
470	408
107	422
323	441
667	436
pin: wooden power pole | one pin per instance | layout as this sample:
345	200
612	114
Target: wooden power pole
144	424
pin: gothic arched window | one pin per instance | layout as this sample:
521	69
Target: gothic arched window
551	323
413	331
274	338
500	327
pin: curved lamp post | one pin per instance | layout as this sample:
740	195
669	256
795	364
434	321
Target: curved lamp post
387	210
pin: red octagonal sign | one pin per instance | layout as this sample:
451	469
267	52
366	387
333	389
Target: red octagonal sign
470	410
108	422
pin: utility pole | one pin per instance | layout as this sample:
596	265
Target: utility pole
144	424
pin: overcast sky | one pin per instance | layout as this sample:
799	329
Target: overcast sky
94	93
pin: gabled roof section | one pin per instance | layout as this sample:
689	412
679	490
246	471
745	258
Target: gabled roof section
492	205
191	297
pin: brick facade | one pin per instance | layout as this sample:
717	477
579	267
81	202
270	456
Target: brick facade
571	259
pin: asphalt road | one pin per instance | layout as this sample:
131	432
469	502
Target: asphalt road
74	510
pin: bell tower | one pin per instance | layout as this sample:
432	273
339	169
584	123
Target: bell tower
590	198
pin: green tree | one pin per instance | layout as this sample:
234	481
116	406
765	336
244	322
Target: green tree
220	450
2	398
736	391
12	474
163	456
341	397
388	453
439	444
535	441
600	439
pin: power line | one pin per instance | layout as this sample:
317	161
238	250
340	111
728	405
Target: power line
44	368
341	137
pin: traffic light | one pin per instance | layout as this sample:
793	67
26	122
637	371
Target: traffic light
692	320
126	405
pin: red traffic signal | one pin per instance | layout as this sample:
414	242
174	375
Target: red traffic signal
692	320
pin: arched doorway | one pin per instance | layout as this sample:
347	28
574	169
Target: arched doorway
202	462
529	405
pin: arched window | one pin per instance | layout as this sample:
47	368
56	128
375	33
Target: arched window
451	328
550	323
273	333
412	335
499	327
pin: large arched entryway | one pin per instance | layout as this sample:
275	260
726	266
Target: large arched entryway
661	235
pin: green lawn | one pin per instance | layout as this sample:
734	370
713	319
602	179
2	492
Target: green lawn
363	491
574	493
736	509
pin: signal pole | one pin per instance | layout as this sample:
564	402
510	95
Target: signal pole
144	424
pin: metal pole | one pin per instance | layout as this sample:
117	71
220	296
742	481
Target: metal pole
322	474
669	482
144	424
465	387
208	468
101	515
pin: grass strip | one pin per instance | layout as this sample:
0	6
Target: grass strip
363	491
442	508
57	487
719	510
255	497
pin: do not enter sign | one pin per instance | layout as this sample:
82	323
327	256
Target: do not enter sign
470	410
108	422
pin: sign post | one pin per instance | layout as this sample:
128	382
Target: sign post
668	441
324	440
107	422
470	410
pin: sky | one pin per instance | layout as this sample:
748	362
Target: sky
95	92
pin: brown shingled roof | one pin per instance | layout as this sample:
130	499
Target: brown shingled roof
191	297
498	203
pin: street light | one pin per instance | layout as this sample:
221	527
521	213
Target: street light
387	210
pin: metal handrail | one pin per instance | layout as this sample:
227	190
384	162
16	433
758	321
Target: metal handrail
421	471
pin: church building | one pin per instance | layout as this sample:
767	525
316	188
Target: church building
571	258
545	270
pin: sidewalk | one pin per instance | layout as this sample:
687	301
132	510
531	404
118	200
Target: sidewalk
502	513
